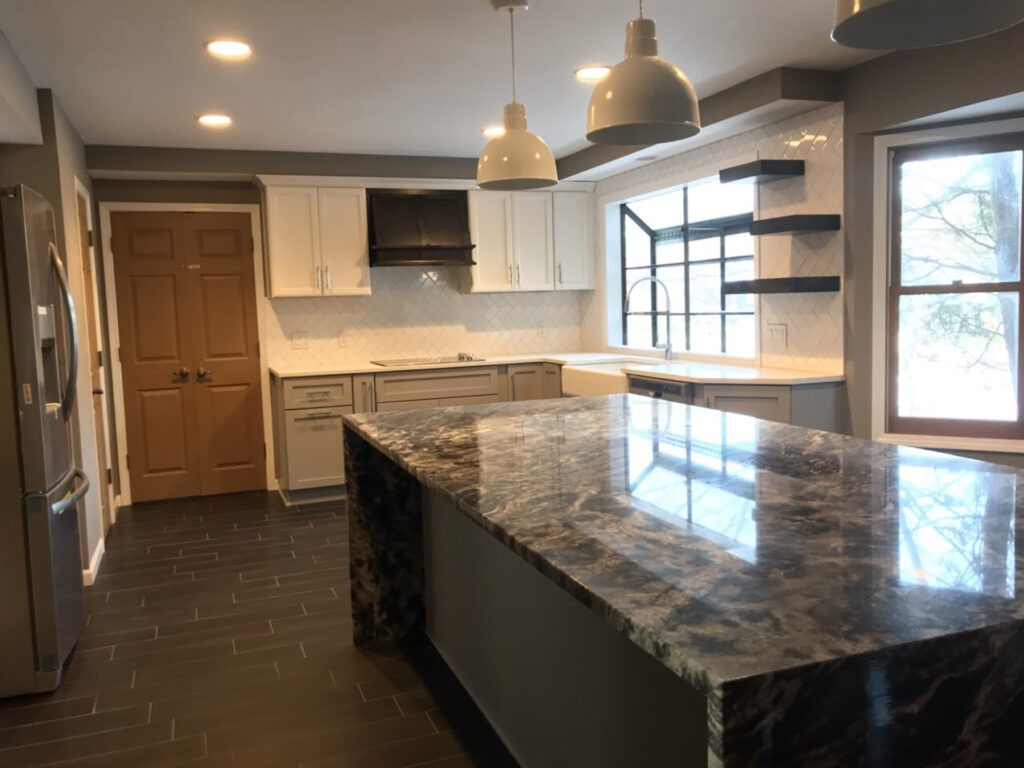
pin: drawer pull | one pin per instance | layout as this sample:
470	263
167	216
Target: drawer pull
318	416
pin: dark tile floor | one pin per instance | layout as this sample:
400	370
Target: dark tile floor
219	636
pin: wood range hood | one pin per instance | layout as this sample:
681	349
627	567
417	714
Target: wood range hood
418	227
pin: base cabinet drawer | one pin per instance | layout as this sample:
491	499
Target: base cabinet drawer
317	391
315	447
435	385
407	405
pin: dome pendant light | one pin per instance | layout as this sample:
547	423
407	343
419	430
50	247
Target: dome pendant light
899	24
518	159
644	99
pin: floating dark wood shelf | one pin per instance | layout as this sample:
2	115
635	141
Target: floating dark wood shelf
783	285
796	224
762	171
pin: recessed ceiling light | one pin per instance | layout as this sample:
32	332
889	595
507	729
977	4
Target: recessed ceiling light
229	49
214	121
593	74
493	131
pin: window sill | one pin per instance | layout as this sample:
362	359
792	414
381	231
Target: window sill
684	357
938	442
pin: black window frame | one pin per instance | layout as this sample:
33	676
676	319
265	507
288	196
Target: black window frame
686	233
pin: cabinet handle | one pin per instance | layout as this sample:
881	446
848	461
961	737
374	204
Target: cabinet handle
510	275
366	397
327	272
317	416
513	380
559	273
319	280
519	278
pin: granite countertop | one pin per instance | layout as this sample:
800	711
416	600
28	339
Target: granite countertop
726	546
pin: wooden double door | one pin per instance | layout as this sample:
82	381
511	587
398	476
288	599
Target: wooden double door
189	351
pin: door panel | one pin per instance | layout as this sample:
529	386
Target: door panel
162	416
532	225
230	425
152	296
187	312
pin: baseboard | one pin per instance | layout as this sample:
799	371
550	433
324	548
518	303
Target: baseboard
89	574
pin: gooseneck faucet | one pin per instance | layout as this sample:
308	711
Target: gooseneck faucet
667	346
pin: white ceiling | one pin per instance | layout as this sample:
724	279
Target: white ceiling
408	77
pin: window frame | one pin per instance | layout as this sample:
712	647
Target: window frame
930	426
720	228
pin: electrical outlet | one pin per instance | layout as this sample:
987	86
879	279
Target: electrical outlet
342	341
776	335
542	332
300	340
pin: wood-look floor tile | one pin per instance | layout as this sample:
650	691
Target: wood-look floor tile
219	635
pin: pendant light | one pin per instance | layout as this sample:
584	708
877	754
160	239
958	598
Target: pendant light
518	159
644	99
900	24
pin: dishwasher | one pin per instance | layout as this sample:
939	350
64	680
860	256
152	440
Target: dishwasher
673	391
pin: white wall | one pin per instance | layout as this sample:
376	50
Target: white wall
814	321
420	311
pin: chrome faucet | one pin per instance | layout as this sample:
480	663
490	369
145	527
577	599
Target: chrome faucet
667	346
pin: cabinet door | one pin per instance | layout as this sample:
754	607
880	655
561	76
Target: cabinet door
468	400
552	380
433	384
490	225
315	447
526	381
574	244
532	235
293	241
344	248
763	401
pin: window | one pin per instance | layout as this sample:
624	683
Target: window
691	240
955	290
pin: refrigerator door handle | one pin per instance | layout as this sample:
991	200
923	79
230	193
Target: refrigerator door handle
60	507
62	278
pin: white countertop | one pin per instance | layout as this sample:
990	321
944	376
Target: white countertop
678	370
365	366
713	373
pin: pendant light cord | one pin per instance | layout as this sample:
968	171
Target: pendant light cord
641	9
512	28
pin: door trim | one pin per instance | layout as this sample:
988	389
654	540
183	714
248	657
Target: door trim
253	209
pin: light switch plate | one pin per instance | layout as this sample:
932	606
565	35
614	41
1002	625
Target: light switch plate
776	335
300	340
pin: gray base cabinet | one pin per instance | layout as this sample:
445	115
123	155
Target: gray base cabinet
309	435
816	406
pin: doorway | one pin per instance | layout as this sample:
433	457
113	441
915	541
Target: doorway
189	352
95	363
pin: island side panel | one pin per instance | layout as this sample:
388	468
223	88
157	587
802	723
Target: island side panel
949	701
385	523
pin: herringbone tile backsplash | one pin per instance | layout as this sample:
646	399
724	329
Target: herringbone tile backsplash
814	320
419	311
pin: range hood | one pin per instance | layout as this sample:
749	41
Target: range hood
417	227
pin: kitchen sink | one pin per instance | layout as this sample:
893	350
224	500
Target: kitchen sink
462	357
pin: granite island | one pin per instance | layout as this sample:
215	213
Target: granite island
743	592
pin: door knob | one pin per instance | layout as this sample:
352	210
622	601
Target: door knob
202	374
182	373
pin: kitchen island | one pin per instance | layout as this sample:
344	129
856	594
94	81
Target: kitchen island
739	591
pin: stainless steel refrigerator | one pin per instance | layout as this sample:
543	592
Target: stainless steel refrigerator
41	602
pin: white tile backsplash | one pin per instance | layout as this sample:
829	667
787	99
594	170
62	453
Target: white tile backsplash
814	321
419	311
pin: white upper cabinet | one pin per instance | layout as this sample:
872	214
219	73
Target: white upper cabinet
316	241
344	253
532	237
573	241
523	243
490	227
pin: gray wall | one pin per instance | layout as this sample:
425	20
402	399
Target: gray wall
879	96
115	190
